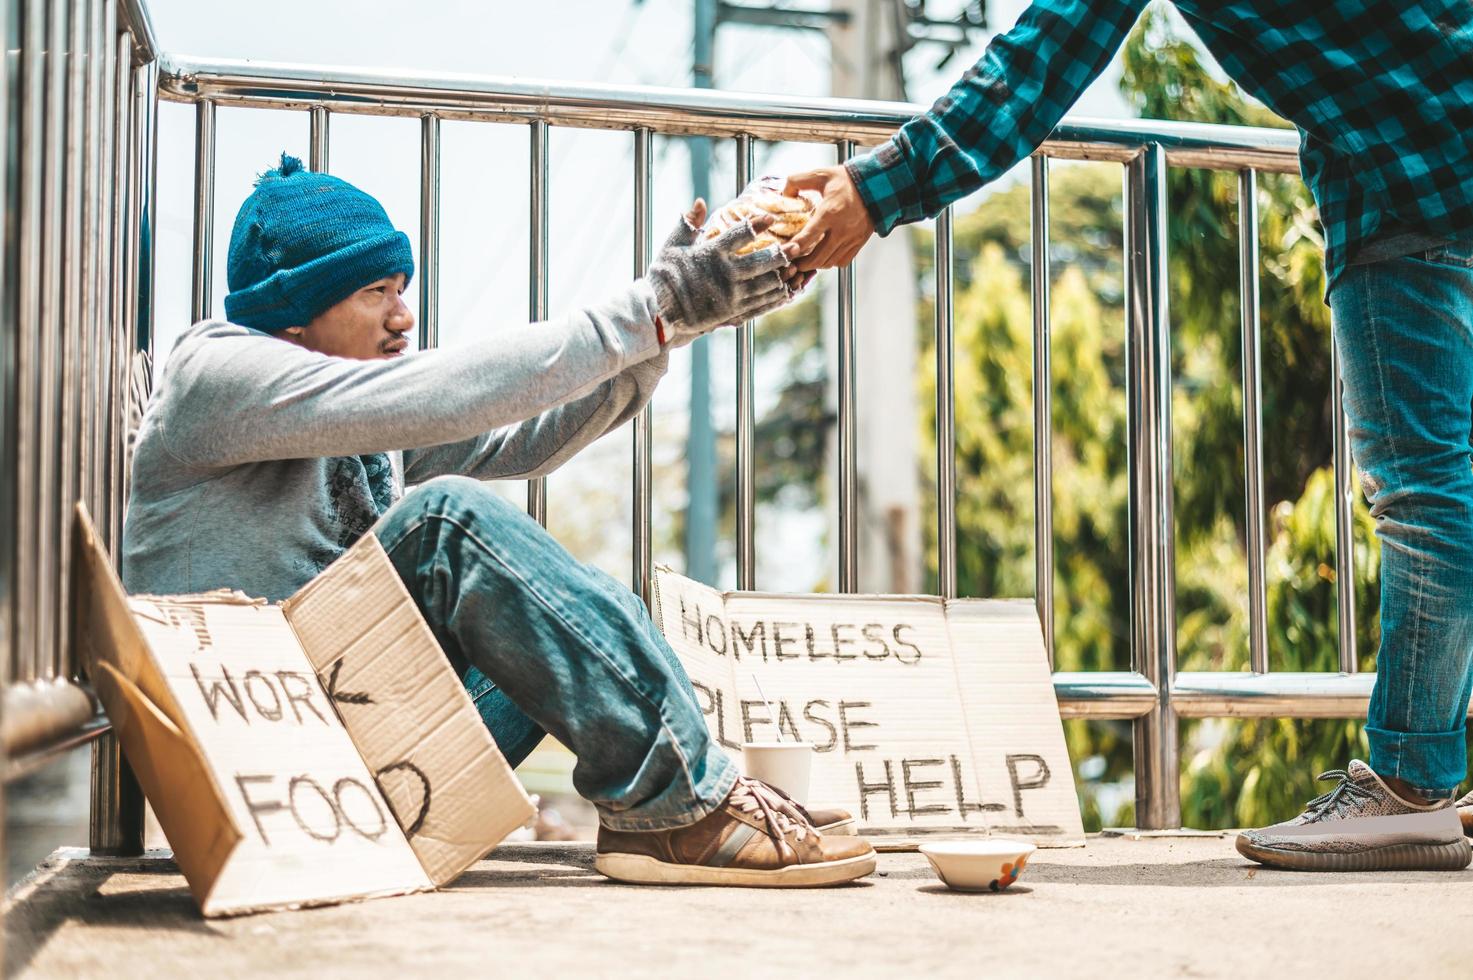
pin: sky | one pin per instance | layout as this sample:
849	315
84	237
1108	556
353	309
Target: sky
484	223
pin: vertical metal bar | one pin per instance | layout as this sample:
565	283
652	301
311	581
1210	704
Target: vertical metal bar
28	360
1043	412
146	96
111	778
318	143
702	511
48	612
118	222
131	233
9	338
116	825
1252	419
945	411
107	205
643	577
72	352
429	232
201	302
1344	523
1152	551
86	269
10	465
96	351
537	304
848	465
148	218
746	416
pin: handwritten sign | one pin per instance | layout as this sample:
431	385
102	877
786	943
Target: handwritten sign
927	716
410	717
316	826
299	754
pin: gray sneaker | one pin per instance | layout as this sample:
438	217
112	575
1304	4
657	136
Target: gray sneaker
1465	813
1361	825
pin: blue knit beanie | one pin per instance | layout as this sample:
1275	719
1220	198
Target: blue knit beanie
304	241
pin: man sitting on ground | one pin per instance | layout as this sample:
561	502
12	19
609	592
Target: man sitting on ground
278	438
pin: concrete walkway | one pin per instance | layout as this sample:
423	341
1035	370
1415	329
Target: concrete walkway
1117	908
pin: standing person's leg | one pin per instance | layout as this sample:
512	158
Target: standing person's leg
1405	335
1404	331
580	661
1465	805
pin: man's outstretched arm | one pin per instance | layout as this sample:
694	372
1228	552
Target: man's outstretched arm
993	117
239	396
236	396
539	445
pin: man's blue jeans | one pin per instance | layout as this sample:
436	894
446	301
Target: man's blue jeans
1404	330
557	646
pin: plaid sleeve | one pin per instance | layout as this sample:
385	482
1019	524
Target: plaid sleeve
997	114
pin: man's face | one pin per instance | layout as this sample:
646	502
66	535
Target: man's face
370	324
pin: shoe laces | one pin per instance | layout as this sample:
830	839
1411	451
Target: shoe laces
1345	794
791	807
751	796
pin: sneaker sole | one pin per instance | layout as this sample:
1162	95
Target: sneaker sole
1452	856
640	869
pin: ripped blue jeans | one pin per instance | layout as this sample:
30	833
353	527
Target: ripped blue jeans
548	644
1404	332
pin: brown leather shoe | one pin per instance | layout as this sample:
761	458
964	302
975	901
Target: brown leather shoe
832	821
752	839
1465	814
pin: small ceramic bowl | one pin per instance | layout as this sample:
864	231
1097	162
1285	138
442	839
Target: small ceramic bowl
978	866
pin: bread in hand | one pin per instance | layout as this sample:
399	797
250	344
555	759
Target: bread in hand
764	196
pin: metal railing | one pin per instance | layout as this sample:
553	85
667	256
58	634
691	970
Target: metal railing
96	315
78	93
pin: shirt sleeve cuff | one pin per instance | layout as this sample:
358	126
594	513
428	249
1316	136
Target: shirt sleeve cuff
648	340
887	185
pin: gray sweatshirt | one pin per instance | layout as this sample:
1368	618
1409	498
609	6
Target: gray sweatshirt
247	468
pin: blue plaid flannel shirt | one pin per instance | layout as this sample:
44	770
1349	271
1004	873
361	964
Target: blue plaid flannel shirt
1381	90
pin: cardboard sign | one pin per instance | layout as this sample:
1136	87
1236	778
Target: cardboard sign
299	754
927	716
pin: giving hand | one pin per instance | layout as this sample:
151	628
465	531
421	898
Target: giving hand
836	231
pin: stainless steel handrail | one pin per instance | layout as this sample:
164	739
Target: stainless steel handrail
77	254
1252	418
134	20
59	322
1151	526
680	111
1043	420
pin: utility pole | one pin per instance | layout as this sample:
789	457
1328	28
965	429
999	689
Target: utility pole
886	424
868	44
869	38
700	459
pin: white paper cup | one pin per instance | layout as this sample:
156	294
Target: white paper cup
785	765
